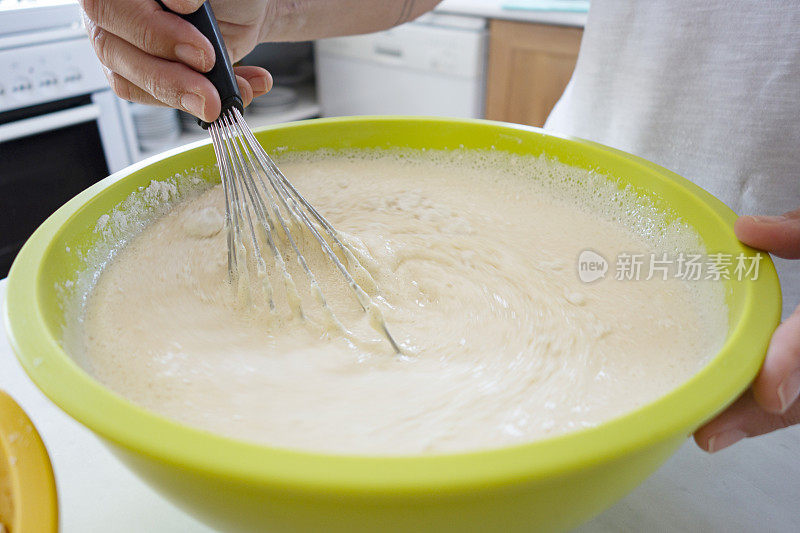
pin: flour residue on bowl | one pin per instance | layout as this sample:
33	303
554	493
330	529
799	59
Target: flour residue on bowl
475	259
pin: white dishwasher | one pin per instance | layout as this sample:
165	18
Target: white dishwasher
435	65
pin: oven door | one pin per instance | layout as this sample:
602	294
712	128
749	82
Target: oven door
48	154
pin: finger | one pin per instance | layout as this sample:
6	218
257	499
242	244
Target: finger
148	27
744	418
183	6
238	36
259	79
245	90
778	384
128	91
779	235
174	84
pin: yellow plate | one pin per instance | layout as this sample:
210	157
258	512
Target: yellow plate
545	485
28	502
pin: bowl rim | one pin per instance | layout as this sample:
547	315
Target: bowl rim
132	428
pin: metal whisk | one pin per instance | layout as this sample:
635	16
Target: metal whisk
259	199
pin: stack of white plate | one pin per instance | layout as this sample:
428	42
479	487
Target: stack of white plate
156	127
278	100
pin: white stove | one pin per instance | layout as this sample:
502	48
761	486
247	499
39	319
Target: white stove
61	127
44	54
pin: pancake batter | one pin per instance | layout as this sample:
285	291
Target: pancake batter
476	275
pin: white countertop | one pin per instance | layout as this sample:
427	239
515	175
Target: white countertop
493	9
752	486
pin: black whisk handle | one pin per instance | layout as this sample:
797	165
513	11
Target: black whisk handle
222	74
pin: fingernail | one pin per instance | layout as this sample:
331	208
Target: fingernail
789	390
259	84
194	104
764	219
190	55
724	439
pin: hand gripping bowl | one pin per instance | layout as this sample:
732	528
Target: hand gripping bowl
551	484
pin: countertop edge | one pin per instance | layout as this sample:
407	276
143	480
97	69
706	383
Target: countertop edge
495	11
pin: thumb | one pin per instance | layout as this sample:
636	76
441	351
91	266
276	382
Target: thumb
779	235
183	6
744	418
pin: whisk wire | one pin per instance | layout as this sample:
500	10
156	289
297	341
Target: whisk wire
229	124
286	191
231	202
256	191
254	208
223	173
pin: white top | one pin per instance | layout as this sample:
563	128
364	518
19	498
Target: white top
710	90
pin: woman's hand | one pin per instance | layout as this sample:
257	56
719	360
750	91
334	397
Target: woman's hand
154	57
772	401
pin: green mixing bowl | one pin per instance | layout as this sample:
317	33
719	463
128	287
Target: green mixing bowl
551	484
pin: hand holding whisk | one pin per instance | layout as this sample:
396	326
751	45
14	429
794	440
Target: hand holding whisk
263	208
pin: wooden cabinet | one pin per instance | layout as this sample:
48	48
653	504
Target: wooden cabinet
529	67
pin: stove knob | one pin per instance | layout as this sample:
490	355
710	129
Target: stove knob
21	87
48	81
72	76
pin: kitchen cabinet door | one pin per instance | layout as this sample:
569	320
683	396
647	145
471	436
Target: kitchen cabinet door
529	67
